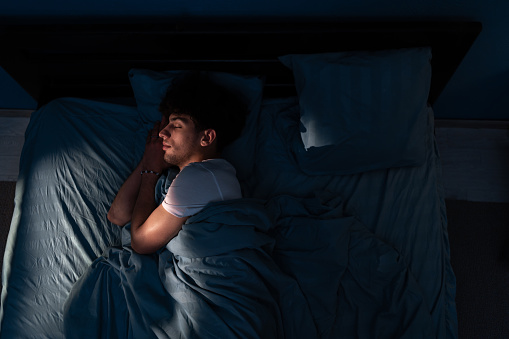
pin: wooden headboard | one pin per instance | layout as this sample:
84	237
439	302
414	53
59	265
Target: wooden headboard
93	60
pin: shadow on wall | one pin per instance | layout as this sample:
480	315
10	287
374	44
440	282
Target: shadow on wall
478	90
492	94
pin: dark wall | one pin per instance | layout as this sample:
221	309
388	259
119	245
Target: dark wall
476	91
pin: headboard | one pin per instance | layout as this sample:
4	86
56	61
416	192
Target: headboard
93	60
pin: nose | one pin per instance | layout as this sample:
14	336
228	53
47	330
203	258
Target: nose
164	133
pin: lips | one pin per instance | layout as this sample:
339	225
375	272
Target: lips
165	147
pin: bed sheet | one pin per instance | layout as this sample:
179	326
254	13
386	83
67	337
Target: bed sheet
403	206
78	152
216	279
75	157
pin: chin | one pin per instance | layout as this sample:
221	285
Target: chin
170	160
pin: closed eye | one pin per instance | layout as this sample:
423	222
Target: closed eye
178	121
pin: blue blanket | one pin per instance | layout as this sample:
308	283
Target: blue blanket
215	279
369	290
380	269
243	269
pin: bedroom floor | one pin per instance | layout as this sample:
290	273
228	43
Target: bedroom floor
479	240
475	159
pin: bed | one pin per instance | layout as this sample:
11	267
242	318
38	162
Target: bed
342	231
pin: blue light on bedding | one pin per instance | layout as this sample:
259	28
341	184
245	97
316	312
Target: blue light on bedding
216	279
307	256
75	156
402	206
220	278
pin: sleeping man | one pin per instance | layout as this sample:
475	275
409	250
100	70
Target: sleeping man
199	119
199	264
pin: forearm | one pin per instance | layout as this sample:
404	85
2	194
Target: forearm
145	202
121	209
152	227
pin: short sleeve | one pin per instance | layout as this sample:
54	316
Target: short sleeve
200	183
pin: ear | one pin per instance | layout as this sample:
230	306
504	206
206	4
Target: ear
208	137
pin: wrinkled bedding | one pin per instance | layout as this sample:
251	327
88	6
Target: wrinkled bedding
362	255
215	279
240	269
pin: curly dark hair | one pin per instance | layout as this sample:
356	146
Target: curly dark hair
208	104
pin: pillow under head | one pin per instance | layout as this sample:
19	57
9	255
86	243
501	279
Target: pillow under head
150	86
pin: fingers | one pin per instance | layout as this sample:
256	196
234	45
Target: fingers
156	129
153	133
164	122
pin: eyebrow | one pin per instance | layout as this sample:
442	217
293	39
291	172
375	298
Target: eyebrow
179	118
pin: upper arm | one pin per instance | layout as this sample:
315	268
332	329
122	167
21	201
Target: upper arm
159	228
199	184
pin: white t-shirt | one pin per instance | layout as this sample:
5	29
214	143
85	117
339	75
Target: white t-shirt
199	183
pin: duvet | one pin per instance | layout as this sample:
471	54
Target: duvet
283	268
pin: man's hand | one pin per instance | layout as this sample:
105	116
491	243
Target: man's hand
121	209
153	158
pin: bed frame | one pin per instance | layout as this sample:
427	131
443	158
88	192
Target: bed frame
92	60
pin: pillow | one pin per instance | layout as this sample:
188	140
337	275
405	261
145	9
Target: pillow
150	86
361	111
276	171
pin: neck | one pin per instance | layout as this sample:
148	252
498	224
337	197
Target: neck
201	157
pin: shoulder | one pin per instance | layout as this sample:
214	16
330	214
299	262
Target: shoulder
200	183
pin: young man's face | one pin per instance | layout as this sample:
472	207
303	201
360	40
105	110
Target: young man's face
181	140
